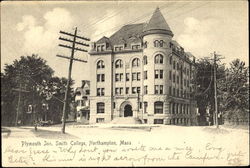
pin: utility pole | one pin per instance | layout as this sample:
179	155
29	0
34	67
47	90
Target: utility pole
73	49
216	58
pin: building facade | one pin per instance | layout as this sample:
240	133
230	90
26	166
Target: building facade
82	102
141	72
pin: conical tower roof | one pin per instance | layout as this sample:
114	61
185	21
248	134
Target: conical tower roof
157	24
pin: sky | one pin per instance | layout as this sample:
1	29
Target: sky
201	27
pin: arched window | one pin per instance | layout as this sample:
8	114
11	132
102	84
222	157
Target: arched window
161	43
158	106
145	60
100	107
136	62
100	64
118	64
159	59
156	43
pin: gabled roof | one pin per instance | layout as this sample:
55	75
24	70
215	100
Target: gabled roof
103	40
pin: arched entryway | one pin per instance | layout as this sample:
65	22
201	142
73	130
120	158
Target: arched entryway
128	112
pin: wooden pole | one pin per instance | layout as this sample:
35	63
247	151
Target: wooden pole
68	84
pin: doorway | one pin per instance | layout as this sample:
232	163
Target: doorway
128	111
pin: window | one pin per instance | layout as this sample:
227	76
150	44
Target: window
100	91
174	78
127	76
118	48
136	47
102	47
170	60
158	107
145	60
145	89
145	73
161	43
133	90
161	89
118	77
138	76
118	64
134	76
136	62
174	64
159	59
100	64
170	75
177	78
87	92
127	90
161	74
158	43
100	107
119	91
177	66
138	89
113	104
177	92
173	91
145	107
184	82
100	77
158	89
170	90
158	121
99	120
158	74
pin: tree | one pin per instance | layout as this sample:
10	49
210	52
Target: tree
31	73
234	92
205	87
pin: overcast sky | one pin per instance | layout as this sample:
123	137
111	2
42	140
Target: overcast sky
201	27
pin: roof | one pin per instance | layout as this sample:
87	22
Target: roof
158	24
128	34
157	21
133	33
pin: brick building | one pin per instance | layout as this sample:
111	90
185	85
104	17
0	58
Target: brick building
140	72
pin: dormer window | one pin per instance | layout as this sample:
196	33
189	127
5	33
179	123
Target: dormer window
119	48
100	47
136	46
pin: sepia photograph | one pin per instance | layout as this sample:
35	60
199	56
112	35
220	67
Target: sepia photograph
124	83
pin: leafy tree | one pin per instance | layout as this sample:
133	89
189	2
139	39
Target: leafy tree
205	87
234	92
31	73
